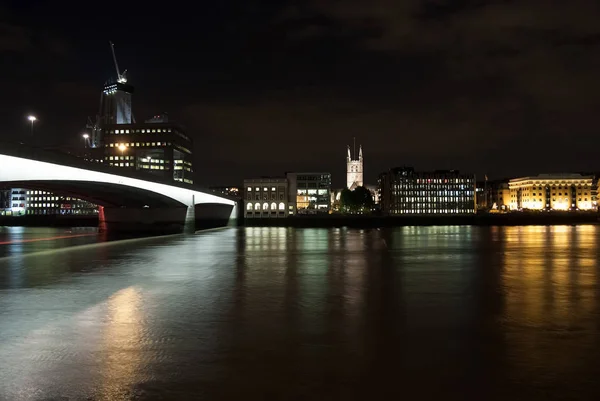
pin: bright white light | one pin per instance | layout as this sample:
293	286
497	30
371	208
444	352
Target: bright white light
32	118
85	136
22	170
122	147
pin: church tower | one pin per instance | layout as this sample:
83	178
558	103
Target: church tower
354	170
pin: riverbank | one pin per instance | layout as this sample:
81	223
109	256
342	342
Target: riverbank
508	219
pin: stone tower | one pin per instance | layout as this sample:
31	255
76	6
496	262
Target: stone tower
354	170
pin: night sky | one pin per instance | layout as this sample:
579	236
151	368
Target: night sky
505	88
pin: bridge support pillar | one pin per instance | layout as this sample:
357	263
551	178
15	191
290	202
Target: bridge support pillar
189	226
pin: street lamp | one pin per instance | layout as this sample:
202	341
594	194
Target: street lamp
85	137
32	119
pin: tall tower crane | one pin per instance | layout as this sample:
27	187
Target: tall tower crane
121	78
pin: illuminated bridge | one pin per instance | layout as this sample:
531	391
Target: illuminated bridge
128	201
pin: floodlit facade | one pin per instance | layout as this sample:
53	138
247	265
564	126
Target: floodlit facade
404	191
354	170
309	193
266	198
553	192
157	146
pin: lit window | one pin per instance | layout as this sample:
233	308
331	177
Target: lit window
282	206
273	189
265	206
249	188
273	206
265	189
257	188
257	206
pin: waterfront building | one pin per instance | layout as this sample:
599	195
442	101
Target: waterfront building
35	202
354	169
481	195
229	191
553	192
404	191
157	146
309	193
498	195
267	197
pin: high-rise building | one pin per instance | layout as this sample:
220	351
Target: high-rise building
406	191
310	192
116	104
554	192
354	170
157	146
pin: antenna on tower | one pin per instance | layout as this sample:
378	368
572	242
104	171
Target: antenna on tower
121	78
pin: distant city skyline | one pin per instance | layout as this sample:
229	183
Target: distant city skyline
499	89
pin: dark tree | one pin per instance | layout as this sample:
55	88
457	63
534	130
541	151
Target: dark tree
358	201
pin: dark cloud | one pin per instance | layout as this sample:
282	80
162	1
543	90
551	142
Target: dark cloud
14	38
504	87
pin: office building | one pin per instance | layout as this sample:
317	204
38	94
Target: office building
35	202
266	198
310	193
553	192
354	170
404	191
157	146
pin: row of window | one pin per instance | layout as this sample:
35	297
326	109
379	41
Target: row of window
541	194
432	211
265	206
137	131
136	144
266	189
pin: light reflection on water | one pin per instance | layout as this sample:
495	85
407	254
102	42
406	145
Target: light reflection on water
281	313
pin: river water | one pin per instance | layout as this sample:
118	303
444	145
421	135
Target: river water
415	313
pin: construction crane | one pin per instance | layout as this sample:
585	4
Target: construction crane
121	78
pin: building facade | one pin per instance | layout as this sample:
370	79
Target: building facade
404	191
553	192
157	146
34	202
498	194
354	170
266	198
309	193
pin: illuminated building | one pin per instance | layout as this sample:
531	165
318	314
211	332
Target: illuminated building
354	170
229	191
33	202
157	146
553	192
404	191
310	192
266	198
498	195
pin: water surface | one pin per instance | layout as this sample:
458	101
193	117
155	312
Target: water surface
486	313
